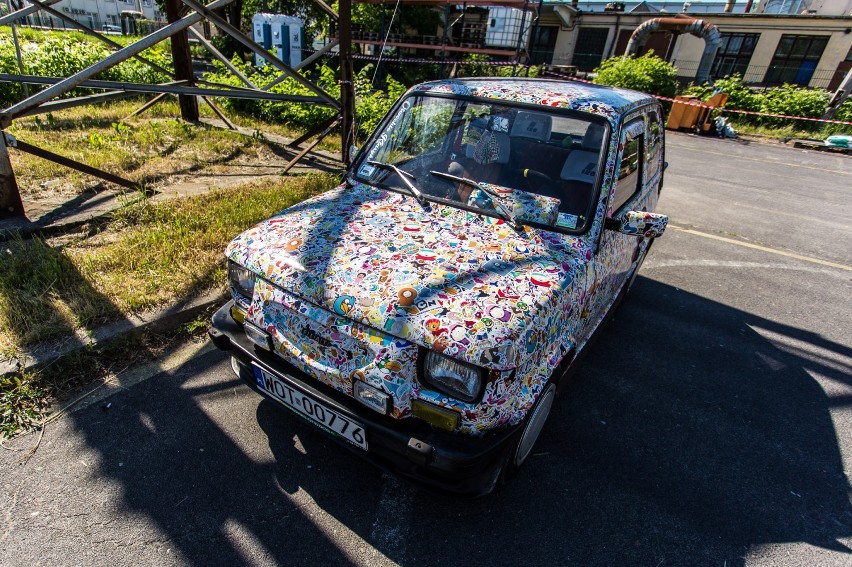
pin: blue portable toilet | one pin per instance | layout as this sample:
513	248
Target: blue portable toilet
281	35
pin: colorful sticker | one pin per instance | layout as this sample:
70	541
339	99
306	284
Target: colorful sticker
566	220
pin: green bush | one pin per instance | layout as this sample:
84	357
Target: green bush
790	100
370	105
740	96
59	54
648	74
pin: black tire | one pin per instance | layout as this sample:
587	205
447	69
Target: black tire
522	444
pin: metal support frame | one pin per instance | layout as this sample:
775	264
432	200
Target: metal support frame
169	88
207	11
184	85
312	145
182	59
347	88
68	162
218	55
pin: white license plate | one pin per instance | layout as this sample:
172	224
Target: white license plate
317	412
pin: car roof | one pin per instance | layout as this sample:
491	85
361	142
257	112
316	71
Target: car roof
610	102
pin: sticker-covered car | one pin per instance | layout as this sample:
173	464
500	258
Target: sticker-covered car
427	310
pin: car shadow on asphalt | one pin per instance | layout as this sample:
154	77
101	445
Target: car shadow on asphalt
677	442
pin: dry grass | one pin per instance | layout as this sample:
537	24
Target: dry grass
150	255
147	149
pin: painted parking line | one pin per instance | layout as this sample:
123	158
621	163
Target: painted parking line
762	248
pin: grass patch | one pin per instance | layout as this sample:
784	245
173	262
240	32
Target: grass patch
22	404
790	131
144	149
150	255
26	398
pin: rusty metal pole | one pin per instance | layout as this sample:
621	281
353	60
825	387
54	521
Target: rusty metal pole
347	91
183	62
10	197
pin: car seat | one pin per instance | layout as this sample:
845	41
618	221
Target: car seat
488	158
580	171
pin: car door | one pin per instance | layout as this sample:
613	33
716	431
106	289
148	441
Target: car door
616	252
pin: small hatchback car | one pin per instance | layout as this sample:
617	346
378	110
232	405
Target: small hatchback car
425	312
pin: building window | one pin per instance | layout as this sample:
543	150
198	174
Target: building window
796	59
734	54
543	44
590	48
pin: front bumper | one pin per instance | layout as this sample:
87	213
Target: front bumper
411	448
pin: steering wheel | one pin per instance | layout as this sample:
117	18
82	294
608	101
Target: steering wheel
535	179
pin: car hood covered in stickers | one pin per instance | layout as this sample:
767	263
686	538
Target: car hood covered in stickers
454	281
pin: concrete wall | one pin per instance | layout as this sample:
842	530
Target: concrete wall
688	49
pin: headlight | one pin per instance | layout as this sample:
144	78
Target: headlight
460	380
241	280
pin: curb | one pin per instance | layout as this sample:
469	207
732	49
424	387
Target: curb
163	320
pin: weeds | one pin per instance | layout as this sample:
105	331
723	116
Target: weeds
22	405
148	255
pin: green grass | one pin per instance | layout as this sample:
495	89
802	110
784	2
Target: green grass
39	36
146	149
22	404
791	131
150	255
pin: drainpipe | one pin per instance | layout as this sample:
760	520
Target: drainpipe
615	37
699	28
729	6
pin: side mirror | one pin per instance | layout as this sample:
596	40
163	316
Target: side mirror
638	223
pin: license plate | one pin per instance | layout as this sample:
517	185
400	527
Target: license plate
315	411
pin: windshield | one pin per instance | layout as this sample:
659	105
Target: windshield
535	165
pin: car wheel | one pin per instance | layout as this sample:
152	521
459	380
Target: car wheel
635	271
523	444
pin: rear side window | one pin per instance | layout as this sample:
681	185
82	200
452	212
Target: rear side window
653	158
630	170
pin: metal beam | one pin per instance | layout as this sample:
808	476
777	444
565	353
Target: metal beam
258	50
146	106
305	62
87	30
327	9
10	196
219	113
68	162
182	61
218	55
347	89
313	144
121	55
23	13
62	104
162	88
314	131
316	55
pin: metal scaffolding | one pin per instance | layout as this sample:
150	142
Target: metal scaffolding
181	15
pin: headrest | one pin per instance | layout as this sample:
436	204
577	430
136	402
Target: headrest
593	138
492	147
580	166
533	125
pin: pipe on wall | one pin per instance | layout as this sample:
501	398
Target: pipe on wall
699	28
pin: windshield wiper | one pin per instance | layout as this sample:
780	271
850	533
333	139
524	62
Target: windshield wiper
501	208
404	175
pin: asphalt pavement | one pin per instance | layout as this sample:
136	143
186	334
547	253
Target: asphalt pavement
709	425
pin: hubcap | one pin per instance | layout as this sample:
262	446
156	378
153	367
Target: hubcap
534	425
